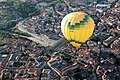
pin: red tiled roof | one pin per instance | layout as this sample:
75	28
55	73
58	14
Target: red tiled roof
34	78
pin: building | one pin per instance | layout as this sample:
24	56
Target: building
26	73
13	59
24	60
45	74
103	6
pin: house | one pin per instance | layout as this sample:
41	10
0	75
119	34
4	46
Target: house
103	6
58	63
65	78
54	75
26	73
1	61
13	60
70	67
24	59
3	56
55	60
41	60
7	74
45	75
41	65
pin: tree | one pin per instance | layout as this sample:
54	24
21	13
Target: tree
26	9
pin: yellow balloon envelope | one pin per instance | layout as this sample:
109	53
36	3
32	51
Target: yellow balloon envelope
77	27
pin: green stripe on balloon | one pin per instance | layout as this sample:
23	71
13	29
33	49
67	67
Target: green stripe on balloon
71	40
78	25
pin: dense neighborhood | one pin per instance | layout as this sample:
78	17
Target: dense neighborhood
28	29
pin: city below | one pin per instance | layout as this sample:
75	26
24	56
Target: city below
32	46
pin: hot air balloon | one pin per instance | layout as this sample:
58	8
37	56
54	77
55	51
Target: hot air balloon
77	27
